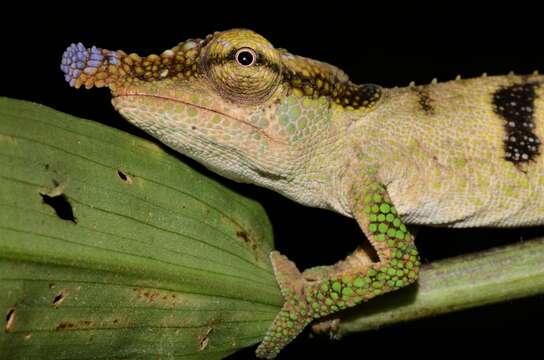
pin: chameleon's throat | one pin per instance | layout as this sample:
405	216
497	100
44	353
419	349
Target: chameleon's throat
253	127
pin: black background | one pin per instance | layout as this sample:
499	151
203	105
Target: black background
390	46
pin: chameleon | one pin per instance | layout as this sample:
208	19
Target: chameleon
462	153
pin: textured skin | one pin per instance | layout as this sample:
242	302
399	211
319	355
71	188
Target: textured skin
449	168
459	154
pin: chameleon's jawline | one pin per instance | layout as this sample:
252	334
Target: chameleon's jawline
261	131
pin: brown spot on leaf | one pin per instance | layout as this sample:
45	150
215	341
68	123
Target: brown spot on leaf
154	296
10	319
68	325
149	295
64	325
242	234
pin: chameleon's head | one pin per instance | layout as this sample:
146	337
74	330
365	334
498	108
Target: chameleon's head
232	101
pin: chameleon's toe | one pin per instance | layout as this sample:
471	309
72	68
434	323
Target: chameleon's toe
296	312
88	66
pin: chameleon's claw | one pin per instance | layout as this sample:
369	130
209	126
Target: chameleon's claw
296	312
285	271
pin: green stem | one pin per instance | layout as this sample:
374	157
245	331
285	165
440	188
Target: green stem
492	276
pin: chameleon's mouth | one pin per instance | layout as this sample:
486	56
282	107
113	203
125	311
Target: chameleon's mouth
245	123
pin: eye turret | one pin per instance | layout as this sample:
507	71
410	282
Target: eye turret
242	65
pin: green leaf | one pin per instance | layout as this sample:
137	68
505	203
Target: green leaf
111	247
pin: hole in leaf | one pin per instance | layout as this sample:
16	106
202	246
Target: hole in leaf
125	177
10	319
58	299
205	340
61	205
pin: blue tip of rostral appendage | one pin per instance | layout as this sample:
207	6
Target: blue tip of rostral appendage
77	59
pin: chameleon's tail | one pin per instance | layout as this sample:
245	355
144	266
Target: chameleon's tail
90	66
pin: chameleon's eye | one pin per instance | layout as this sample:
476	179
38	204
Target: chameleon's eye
230	61
246	56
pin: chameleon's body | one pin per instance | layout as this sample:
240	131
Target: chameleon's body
462	153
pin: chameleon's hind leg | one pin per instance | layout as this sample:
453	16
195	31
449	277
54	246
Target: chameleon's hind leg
324	290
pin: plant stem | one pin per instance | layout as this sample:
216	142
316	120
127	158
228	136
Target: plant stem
492	276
